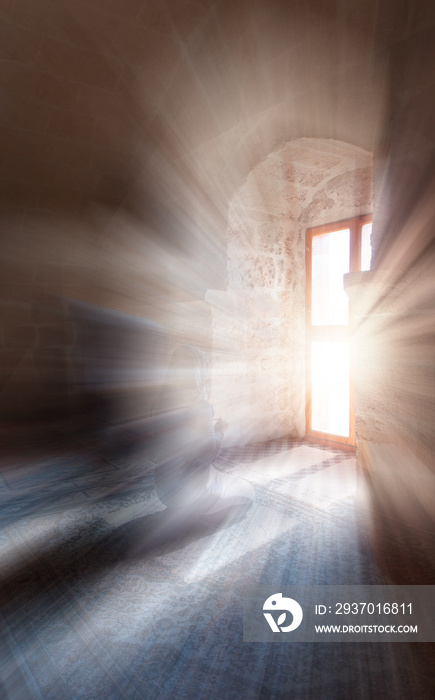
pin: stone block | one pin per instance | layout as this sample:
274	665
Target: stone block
52	383
52	359
22	337
15	314
53	336
47	313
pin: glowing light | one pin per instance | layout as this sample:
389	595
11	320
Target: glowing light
366	247
330	387
330	260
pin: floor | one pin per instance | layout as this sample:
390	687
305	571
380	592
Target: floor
95	604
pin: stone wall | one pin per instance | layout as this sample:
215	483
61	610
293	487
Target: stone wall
394	305
113	261
35	347
80	296
259	322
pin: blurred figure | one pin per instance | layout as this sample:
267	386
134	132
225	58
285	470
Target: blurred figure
187	441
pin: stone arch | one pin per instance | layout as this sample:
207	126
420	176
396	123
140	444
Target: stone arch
259	321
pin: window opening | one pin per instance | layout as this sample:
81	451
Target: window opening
331	252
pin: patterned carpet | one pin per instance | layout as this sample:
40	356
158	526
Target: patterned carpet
99	600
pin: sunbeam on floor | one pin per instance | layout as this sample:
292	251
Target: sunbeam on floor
99	602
